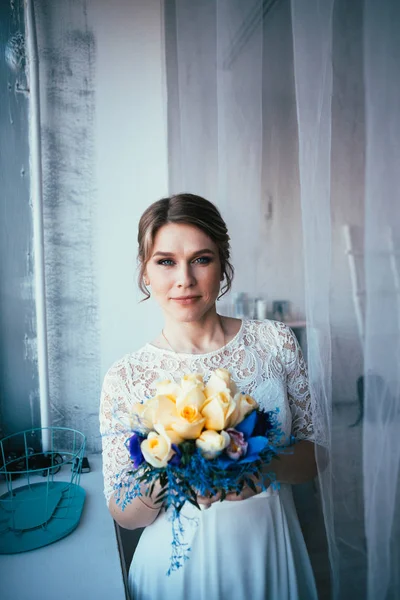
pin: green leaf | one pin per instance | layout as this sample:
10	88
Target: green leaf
161	496
194	502
251	485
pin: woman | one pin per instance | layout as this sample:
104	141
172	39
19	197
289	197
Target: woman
248	546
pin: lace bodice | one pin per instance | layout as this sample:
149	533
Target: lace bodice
264	359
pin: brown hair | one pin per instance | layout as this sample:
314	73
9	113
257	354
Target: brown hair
187	209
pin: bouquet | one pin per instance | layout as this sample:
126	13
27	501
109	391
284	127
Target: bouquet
197	438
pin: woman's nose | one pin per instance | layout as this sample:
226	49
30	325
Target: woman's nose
185	276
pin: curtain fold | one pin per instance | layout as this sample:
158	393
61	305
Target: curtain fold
312	53
381	448
240	131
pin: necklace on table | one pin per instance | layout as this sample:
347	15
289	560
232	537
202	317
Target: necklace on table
173	349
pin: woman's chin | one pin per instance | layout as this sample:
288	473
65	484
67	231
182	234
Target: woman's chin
188	314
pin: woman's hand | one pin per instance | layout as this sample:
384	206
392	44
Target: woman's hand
207	501
247	491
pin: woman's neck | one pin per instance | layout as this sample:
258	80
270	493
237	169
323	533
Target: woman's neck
195	337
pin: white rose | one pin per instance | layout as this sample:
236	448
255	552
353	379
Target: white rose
211	444
156	448
220	381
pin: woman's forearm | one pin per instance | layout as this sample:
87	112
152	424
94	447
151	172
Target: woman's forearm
140	512
296	465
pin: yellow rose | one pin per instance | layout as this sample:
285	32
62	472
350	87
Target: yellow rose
190	421
156	449
245	404
193	397
174	437
165	413
168	388
220	381
217	410
160	409
192	380
211	444
164	410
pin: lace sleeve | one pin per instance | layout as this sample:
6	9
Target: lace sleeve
297	384
115	407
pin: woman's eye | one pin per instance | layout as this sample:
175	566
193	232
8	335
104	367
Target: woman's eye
166	262
203	260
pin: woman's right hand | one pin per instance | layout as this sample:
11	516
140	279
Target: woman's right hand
207	501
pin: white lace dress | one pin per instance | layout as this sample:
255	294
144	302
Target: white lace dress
250	549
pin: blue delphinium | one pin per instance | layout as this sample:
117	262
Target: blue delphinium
135	452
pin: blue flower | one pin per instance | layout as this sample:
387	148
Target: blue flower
134	450
176	459
256	443
263	424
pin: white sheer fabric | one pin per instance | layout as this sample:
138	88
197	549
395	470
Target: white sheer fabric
192	93
377	576
235	108
215	112
381	448
240	134
312	52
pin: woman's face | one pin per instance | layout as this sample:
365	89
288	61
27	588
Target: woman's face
184	272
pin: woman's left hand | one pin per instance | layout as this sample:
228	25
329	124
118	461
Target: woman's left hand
246	492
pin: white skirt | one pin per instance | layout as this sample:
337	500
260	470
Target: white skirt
251	549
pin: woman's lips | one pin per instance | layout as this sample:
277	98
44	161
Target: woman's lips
186	300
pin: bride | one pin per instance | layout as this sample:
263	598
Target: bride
251	545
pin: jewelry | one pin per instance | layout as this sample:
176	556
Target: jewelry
166	339
173	349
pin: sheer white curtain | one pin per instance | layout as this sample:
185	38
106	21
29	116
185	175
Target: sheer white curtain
286	114
312	56
215	112
381	448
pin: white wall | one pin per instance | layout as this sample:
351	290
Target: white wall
131	162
